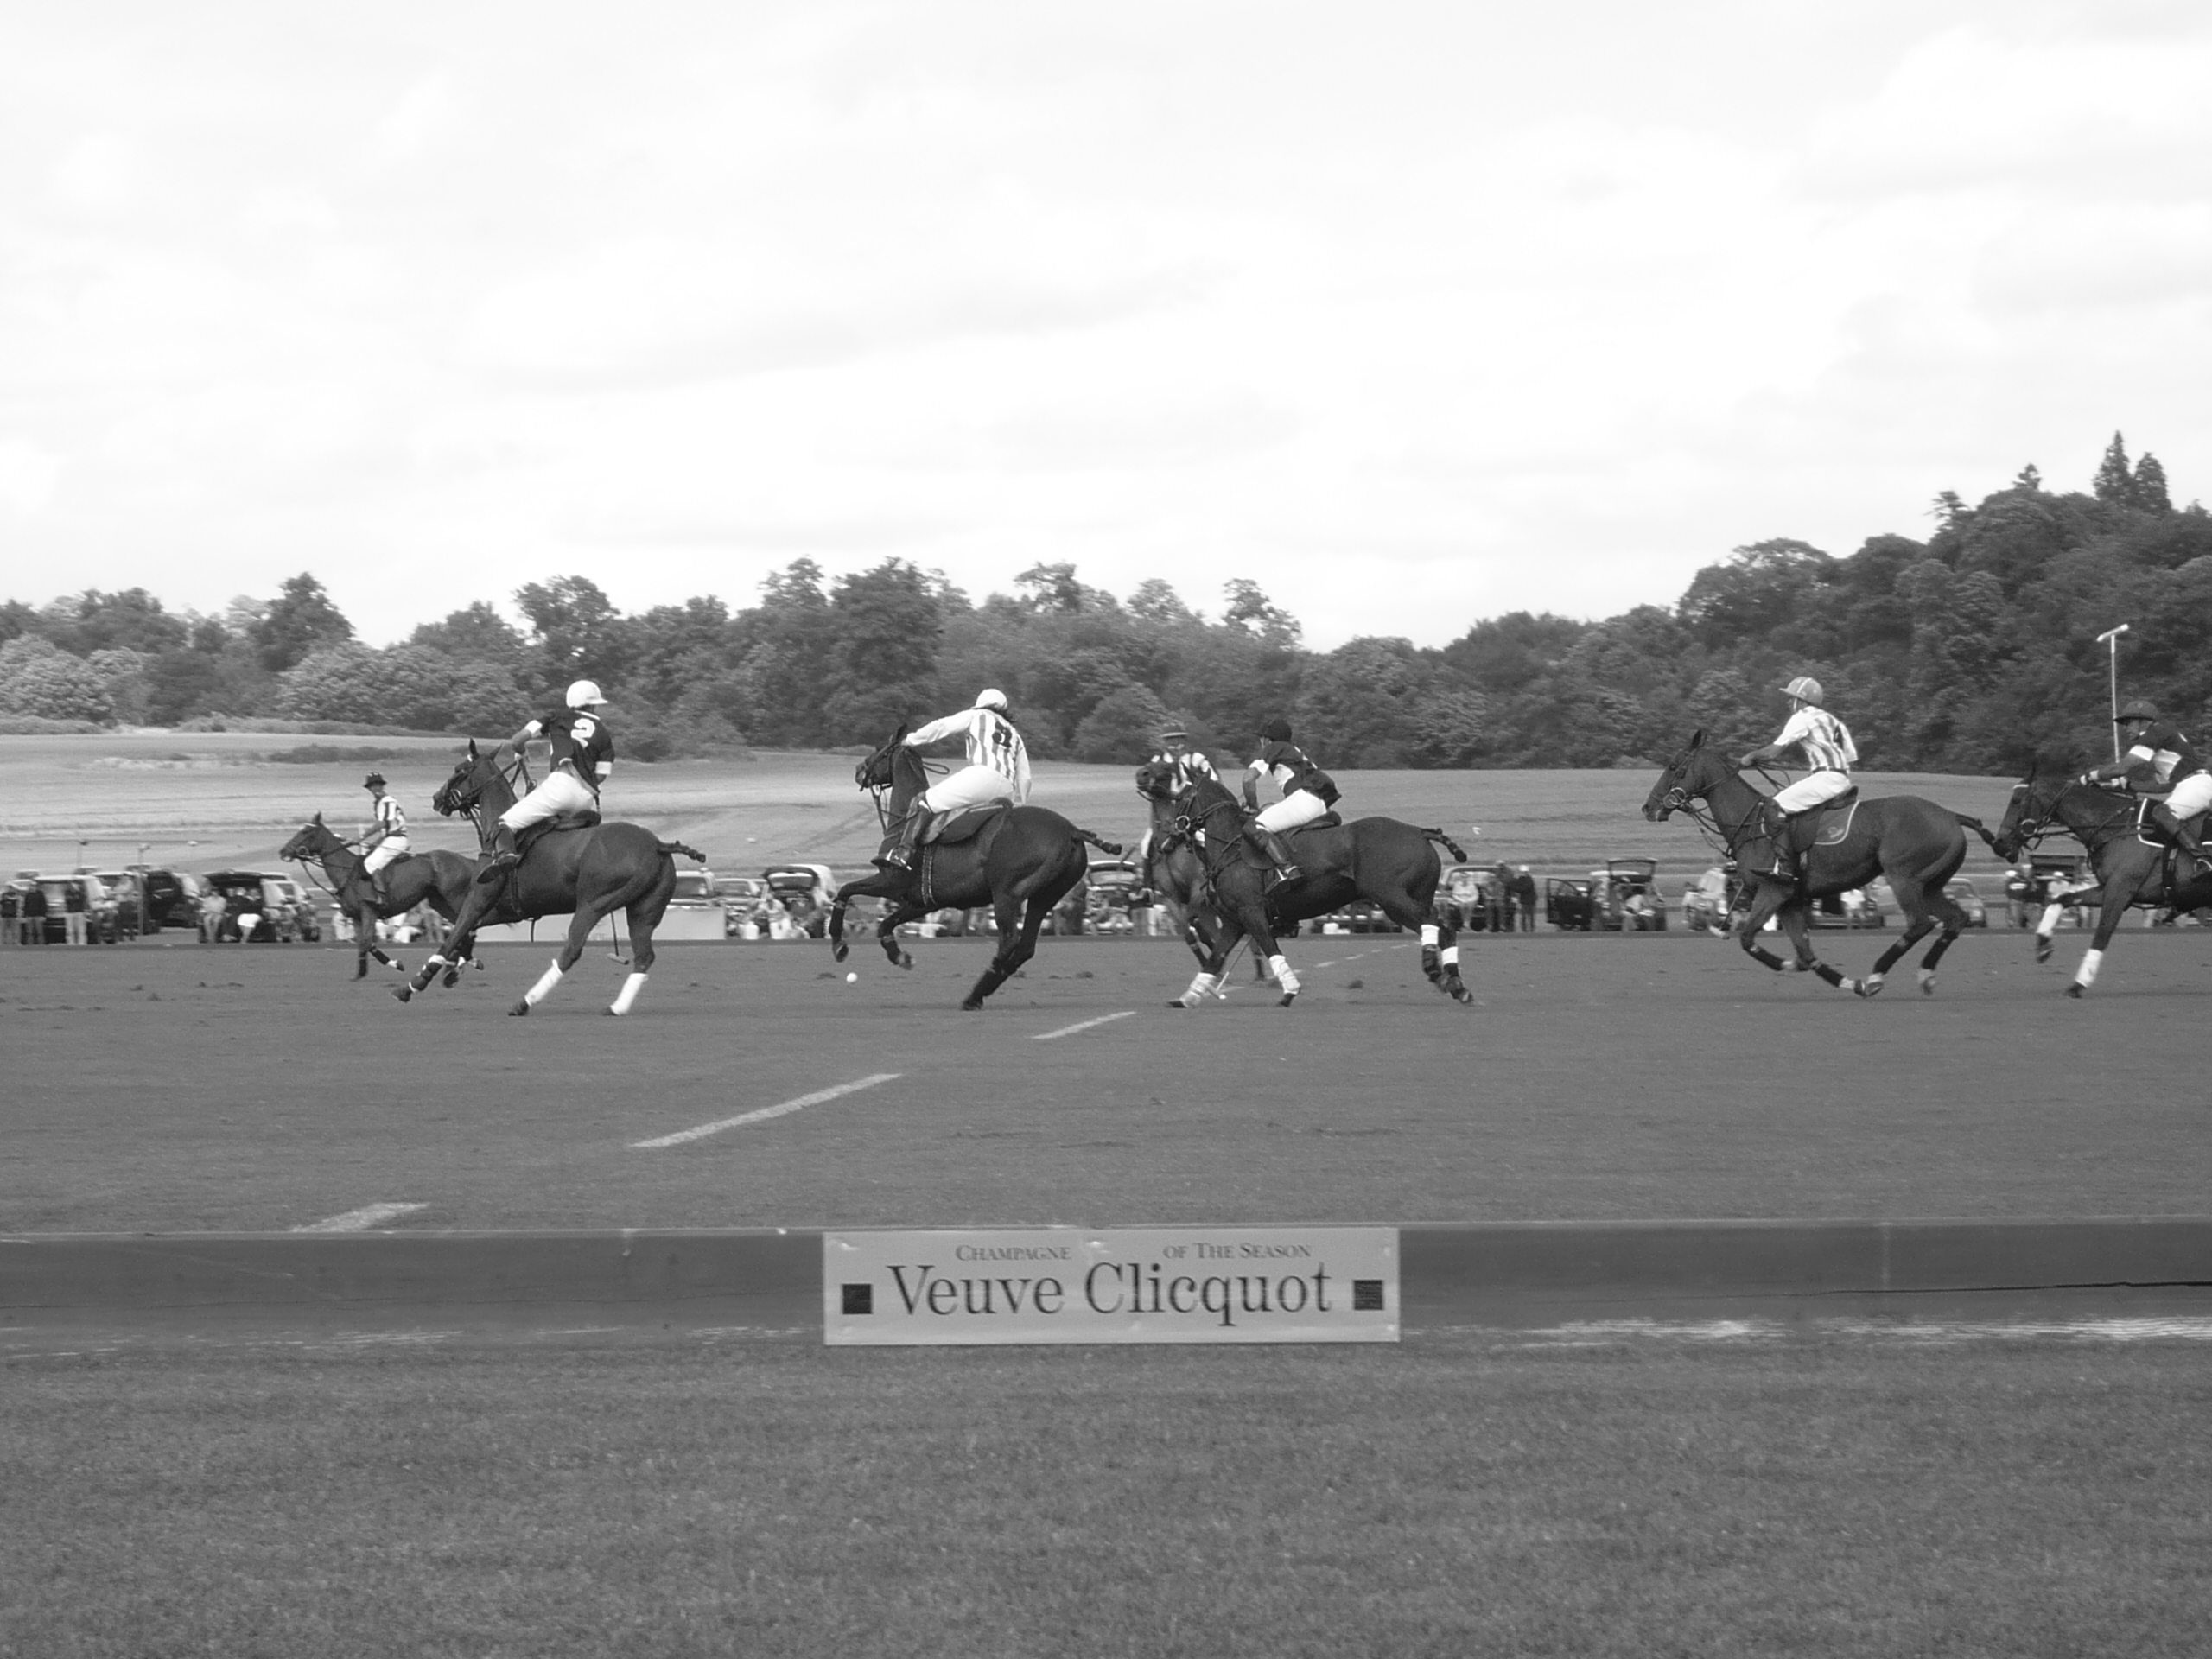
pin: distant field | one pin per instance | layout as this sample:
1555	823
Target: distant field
205	799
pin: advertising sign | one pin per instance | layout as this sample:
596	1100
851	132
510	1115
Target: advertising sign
1152	1284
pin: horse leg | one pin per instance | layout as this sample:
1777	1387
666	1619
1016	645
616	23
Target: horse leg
895	916
2046	925
1440	944
1019	921
1207	981
572	952
2120	891
643	917
1766	899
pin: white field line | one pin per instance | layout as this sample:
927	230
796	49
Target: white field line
766	1112
1069	1031
359	1221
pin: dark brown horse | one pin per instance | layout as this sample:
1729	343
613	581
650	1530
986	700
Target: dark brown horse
1021	861
439	879
1174	871
1389	863
588	871
2131	870
1916	843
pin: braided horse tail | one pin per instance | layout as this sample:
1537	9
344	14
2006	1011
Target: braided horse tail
692	853
1450	845
1111	847
1978	828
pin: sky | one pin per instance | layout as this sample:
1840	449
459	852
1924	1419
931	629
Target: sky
1412	313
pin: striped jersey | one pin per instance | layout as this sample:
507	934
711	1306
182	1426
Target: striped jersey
390	819
1827	745
1188	766
992	743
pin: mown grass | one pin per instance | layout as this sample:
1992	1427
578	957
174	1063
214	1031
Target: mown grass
1459	1495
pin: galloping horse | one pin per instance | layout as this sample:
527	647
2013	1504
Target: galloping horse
439	879
2131	870
1389	863
1021	861
1174	870
1916	843
589	871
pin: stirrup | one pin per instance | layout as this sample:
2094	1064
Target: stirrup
896	859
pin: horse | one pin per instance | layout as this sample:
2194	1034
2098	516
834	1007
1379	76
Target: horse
1916	843
439	879
1020	861
1175	871
2131	871
587	870
1389	863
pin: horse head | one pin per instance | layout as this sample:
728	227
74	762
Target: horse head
880	770
313	840
2027	814
1692	771
465	787
1200	802
1156	781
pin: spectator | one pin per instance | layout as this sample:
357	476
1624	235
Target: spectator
11	915
1523	889
35	913
73	912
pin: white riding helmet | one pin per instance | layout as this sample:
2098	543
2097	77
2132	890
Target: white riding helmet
990	697
584	694
1805	688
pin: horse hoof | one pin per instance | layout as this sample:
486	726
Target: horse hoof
451	979
905	961
519	1009
1462	994
2074	991
2042	953
403	992
1178	1002
1928	984
1289	997
1870	987
840	950
974	1005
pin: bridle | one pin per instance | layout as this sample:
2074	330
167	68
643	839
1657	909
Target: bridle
1698	808
1214	855
451	799
879	775
312	872
2032	825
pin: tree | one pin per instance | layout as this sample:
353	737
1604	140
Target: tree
2151	485
1156	602
2030	479
300	619
38	677
886	625
576	630
1764	587
2114	483
1121	727
475	633
1252	612
1050	587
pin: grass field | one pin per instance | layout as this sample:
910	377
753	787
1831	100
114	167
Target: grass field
1576	1492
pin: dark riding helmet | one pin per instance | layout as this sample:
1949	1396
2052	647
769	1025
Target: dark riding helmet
2138	709
1276	730
374	780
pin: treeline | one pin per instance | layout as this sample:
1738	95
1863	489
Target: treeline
1973	651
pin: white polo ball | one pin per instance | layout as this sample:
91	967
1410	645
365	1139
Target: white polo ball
852	979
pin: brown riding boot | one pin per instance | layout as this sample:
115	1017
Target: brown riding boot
1778	826
504	858
1277	849
898	852
2184	836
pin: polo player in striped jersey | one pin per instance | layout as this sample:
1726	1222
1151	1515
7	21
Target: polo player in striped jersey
997	769
1828	753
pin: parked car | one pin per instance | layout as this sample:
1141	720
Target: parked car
804	892
1570	902
1626	893
79	893
173	897
1115	891
1463	896
280	910
1961	891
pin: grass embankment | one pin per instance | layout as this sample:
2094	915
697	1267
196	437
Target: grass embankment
1454	1496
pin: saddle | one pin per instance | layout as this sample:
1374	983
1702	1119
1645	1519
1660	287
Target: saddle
536	832
1326	821
949	828
1826	825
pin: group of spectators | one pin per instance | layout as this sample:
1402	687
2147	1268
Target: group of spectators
1497	897
35	910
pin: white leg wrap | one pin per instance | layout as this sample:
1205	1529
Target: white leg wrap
2086	975
1429	934
1450	956
628	994
1201	986
546	980
1280	967
2049	925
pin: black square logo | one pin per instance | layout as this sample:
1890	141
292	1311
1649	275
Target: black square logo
1367	1295
861	1298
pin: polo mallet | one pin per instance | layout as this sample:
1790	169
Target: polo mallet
2110	639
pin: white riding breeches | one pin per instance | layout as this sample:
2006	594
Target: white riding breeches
562	794
2192	795
390	850
969	787
1813	789
1300	806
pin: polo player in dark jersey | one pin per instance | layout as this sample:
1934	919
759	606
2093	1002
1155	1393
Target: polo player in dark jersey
2158	757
